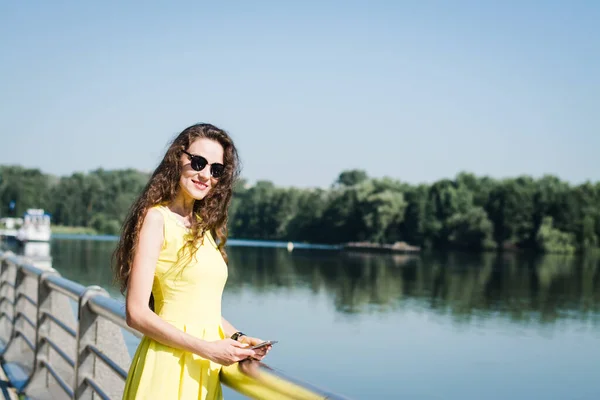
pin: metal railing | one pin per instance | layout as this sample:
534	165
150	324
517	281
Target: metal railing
93	304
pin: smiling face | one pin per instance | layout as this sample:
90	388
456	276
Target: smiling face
197	184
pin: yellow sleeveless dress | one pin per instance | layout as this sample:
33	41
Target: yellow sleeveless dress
187	294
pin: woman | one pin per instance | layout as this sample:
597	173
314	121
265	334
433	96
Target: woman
171	262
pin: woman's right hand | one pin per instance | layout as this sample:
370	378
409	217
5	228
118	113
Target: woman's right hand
228	351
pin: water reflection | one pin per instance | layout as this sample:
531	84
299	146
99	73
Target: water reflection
37	253
543	288
458	320
464	286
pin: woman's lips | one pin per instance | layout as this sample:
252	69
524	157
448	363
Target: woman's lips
200	185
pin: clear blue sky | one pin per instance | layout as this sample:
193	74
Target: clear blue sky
415	90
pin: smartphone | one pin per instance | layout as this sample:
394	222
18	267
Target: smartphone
263	344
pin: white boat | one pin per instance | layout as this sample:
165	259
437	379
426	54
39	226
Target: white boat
36	226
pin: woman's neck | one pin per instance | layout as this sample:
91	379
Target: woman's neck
182	205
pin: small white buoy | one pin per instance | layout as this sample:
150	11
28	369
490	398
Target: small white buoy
290	246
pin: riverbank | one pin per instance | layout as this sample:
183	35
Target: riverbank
83	233
366	247
230	242
398	247
73	230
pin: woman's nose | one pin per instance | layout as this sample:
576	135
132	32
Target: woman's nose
205	173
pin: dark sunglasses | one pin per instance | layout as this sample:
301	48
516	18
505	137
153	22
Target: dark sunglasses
199	163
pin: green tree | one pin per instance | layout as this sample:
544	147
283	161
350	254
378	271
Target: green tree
352	177
552	240
468	212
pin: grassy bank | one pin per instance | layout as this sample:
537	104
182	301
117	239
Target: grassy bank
73	230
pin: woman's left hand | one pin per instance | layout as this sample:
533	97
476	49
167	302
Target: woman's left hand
260	352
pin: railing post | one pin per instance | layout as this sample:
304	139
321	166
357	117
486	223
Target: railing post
44	302
5	289
19	281
3	266
87	333
4	277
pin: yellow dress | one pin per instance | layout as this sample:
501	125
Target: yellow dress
188	296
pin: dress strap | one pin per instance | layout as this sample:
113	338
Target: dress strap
162	210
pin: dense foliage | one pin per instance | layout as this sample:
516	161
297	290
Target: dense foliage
468	212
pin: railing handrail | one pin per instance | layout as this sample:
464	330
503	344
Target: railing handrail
251	378
112	310
29	269
68	288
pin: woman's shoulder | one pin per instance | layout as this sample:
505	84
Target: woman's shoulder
152	230
154	218
162	217
155	214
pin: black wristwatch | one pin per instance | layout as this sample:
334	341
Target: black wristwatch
237	335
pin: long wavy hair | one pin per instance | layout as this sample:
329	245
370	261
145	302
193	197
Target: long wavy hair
209	214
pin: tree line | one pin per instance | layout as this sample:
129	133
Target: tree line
468	212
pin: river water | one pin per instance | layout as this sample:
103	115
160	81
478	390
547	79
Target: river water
439	326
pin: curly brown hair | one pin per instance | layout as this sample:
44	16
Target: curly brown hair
210	213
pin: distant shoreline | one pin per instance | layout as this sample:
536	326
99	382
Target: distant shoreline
73	230
398	247
351	247
230	242
366	247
